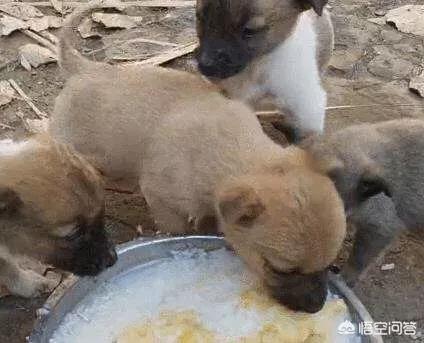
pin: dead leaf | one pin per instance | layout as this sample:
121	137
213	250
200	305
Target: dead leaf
114	20
417	84
24	63
20	10
58	6
37	125
86	29
48	21
35	55
7	93
408	19
9	24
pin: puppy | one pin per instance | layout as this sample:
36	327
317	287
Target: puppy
277	48
379	171
197	154
51	208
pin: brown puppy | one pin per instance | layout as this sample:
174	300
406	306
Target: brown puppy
276	48
204	164
51	208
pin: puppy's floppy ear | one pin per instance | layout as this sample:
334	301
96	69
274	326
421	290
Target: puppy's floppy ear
240	205
9	201
317	5
371	184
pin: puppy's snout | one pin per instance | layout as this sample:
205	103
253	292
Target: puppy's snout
299	292
217	61
309	303
111	257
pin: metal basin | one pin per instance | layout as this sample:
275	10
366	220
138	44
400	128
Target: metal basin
139	252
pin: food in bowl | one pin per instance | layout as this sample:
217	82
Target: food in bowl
195	296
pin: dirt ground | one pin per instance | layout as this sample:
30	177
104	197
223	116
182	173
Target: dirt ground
371	66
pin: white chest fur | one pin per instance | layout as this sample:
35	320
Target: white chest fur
291	75
11	148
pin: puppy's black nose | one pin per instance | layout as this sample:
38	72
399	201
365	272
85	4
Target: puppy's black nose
308	304
111	258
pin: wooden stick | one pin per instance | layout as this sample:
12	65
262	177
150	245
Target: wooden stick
5	126
372	105
345	107
40	114
169	55
152	3
41	40
49	36
135	40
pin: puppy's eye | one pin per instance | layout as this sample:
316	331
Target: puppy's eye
254	27
250	32
75	234
69	231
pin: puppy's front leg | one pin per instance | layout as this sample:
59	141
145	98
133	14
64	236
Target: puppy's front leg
377	225
294	80
24	283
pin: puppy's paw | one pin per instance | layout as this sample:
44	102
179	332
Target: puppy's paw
31	285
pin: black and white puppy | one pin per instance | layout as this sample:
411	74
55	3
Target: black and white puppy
276	48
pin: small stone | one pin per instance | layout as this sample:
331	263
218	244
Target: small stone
380	12
416	84
389	266
408	19
113	20
389	65
33	55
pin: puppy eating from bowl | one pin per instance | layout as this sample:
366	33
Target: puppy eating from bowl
204	164
51	209
274	48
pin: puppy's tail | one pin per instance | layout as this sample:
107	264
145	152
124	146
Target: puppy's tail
70	60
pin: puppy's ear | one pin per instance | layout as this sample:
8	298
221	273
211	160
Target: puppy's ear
9	201
240	205
317	5
371	184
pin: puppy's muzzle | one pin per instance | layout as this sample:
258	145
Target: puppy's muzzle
299	292
94	255
220	62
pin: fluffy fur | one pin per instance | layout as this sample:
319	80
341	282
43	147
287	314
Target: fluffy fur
51	203
204	164
282	56
379	171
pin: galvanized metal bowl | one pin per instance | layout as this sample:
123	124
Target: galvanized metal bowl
139	252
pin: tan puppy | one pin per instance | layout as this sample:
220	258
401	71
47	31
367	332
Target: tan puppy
51	208
202	156
276	48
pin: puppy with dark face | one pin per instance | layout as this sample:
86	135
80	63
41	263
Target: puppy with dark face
51	208
278	48
378	170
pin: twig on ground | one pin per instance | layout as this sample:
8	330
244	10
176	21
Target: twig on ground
49	36
169	55
43	41
150	3
135	40
345	107
40	114
5	126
